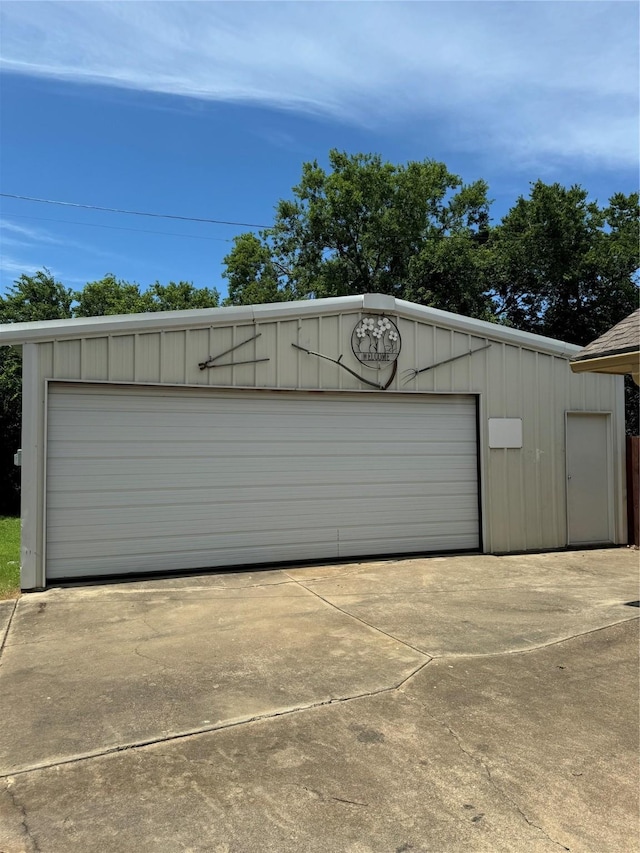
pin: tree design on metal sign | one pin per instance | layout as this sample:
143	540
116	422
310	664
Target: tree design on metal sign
376	342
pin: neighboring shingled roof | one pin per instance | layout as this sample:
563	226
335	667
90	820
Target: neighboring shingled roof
624	337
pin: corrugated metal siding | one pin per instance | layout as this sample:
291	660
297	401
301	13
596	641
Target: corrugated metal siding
155	479
524	490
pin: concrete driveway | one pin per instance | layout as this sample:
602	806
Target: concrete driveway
471	703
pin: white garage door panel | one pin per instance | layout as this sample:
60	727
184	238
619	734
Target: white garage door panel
152	479
198	498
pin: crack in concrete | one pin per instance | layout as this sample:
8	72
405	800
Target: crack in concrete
364	622
485	767
6	632
156	633
137	652
529	649
26	831
200	730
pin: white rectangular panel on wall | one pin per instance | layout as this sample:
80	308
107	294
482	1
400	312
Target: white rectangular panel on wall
151	479
505	432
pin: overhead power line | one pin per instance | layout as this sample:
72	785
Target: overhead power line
117	227
131	212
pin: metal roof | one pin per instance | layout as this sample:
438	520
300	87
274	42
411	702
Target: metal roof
83	327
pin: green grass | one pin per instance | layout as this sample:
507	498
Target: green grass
9	557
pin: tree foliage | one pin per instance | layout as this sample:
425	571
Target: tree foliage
564	267
366	226
110	295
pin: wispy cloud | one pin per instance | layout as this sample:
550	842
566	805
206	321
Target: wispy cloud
16	234
13	266
13	234
531	80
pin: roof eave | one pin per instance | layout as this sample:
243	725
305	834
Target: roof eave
617	363
90	327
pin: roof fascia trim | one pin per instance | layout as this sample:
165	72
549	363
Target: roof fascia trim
484	329
620	363
123	324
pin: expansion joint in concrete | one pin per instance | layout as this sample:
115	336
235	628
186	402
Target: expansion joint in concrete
8	628
363	621
183	735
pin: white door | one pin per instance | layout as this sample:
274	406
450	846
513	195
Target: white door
144	479
589	486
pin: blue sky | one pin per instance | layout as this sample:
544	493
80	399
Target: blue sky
208	109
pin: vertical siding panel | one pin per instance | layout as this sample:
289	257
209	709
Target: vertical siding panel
331	342
513	457
604	393
442	375
415	329
572	385
67	359
95	358
477	364
147	357
245	374
601	393
172	357
219	340
45	361
409	354
121	358
496	478
529	473
424	350
197	350
546	415
266	371
339	373
461	369
427	353
287	355
566	398
310	364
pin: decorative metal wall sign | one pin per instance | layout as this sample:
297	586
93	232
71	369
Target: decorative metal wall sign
210	362
376	342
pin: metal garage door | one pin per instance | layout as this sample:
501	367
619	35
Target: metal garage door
146	479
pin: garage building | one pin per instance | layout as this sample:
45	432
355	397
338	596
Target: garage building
303	431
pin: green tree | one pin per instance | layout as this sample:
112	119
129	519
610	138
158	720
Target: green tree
110	295
564	267
252	274
181	296
35	297
31	297
369	226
